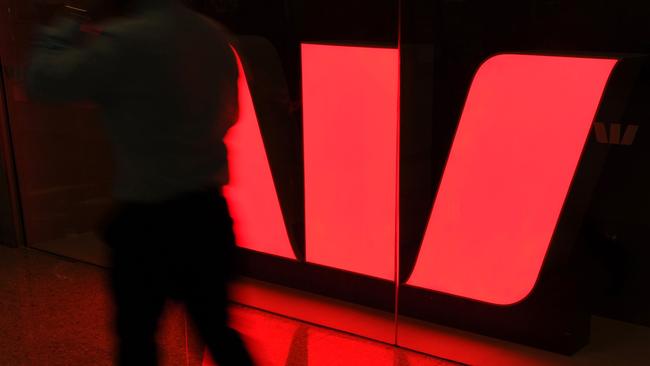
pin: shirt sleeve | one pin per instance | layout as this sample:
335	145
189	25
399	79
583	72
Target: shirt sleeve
63	69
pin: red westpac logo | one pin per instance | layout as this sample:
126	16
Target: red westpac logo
518	143
614	138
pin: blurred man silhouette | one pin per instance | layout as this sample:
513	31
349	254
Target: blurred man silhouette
165	79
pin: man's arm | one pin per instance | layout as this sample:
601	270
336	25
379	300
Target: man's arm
62	69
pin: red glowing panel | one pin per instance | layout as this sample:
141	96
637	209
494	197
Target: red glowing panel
350	100
519	141
251	194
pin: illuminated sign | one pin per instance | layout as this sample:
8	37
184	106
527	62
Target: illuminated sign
519	140
517	147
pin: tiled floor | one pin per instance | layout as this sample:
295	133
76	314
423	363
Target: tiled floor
54	311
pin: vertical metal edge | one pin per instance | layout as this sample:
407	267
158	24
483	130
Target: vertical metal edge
6	136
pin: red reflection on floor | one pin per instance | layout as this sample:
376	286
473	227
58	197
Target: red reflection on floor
519	141
277	341
332	350
269	339
350	97
251	194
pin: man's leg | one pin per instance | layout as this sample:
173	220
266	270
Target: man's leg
138	295
205	281
208	309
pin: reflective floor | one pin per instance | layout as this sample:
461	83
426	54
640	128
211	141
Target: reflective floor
54	311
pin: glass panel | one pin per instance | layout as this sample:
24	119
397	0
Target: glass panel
313	160
64	167
498	166
62	158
